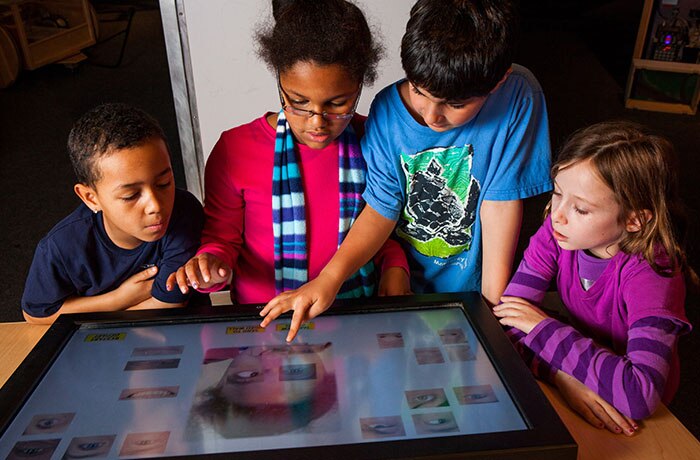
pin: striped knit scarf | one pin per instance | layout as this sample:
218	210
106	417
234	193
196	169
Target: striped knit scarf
289	216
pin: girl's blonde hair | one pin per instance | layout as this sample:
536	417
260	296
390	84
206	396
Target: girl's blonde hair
638	167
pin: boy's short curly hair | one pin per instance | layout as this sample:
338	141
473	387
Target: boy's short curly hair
322	31
104	129
457	49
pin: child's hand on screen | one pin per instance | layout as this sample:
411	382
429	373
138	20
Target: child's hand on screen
519	313
309	301
201	272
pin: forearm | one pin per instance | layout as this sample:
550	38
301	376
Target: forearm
633	383
540	368
366	236
109	301
500	228
154	303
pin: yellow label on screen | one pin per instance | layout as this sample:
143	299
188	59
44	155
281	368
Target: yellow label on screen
105	337
285	327
243	329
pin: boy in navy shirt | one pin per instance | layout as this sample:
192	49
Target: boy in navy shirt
116	250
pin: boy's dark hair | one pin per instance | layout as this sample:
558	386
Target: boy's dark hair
104	129
322	31
457	49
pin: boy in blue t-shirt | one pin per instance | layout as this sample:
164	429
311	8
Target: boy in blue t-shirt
451	150
116	250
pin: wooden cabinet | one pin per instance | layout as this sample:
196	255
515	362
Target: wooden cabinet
665	73
47	31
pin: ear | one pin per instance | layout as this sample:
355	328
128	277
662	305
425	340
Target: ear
88	195
505	76
634	221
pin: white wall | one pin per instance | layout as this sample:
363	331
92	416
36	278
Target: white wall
228	84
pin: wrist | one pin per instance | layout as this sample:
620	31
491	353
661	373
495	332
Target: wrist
559	377
331	279
112	301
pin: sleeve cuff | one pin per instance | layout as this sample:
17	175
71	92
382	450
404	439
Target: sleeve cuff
383	210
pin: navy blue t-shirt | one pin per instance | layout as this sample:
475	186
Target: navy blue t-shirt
77	258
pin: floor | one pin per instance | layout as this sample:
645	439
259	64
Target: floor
580	51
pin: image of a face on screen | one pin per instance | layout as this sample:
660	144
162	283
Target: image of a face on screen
231	386
265	390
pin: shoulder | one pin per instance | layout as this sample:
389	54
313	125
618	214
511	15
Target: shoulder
69	238
649	292
388	112
517	102
635	265
72	226
636	275
248	131
387	98
243	141
391	90
521	78
519	94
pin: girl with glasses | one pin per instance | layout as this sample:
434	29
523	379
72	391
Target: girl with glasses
282	191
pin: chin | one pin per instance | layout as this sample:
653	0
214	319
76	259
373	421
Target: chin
152	238
440	129
318	145
566	246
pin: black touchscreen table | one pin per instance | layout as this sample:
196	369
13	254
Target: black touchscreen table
371	379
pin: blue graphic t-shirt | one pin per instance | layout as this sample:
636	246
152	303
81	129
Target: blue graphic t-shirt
434	183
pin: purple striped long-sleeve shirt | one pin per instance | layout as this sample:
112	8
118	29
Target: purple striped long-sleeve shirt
624	330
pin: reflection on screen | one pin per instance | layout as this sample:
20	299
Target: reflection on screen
264	391
231	386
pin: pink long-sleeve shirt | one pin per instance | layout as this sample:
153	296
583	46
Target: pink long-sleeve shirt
238	209
622	342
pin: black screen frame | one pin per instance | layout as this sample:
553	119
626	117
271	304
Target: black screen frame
546	433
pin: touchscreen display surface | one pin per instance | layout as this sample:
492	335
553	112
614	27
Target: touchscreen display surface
231	386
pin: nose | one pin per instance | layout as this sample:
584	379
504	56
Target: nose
154	202
431	113
317	120
558	215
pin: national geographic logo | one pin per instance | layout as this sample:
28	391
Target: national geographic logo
105	337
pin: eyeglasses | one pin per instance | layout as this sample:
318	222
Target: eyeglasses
330	116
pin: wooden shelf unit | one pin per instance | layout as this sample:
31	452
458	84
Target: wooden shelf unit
641	63
41	45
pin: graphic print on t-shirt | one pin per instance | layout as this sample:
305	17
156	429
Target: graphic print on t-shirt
441	202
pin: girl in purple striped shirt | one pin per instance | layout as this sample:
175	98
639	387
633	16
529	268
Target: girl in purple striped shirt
611	241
